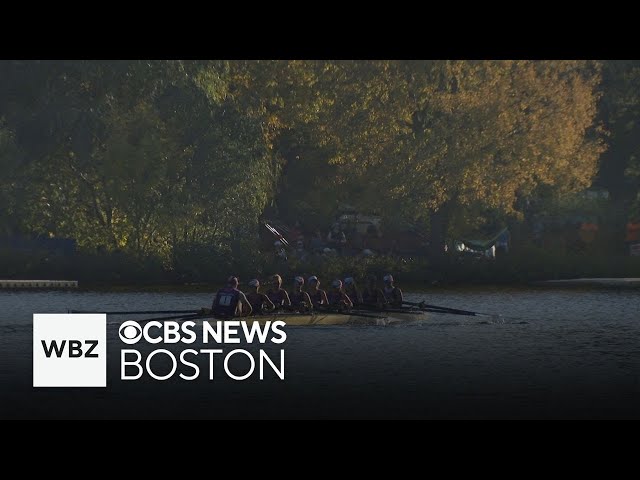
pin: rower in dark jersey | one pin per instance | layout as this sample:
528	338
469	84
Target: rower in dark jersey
316	294
372	295
337	298
300	300
231	302
259	301
392	294
352	291
277	294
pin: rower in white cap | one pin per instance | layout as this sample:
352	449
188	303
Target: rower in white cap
392	294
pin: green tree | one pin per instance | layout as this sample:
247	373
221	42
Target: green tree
620	111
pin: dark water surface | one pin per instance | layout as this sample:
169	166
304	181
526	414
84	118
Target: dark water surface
553	354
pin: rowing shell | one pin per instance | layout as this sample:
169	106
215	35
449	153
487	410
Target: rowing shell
320	319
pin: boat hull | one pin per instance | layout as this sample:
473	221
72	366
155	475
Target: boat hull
320	319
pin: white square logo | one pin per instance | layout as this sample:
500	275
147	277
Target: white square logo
69	350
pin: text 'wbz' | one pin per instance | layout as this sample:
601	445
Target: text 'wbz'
162	364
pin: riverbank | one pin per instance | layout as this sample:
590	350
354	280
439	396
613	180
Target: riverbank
591	282
120	270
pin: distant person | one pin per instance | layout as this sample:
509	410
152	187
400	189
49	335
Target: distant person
316	294
280	252
352	291
259	301
502	243
336	238
392	294
300	253
588	232
337	298
372	295
295	233
231	302
300	300
277	294
632	238
316	244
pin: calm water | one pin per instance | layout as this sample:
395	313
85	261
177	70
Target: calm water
553	354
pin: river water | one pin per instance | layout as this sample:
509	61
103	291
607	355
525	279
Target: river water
551	354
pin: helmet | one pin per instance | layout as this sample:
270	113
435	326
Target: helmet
388	279
313	278
336	283
299	280
348	281
254	283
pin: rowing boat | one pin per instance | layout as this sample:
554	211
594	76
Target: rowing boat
301	319
405	316
396	314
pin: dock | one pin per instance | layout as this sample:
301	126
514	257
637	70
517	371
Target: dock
591	282
46	284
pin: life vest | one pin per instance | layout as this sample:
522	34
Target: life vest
227	302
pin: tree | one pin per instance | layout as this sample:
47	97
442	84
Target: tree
430	138
620	110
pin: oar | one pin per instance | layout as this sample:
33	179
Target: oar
328	311
387	310
454	311
136	312
193	316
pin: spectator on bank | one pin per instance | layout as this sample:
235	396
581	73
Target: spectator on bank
336	238
502	243
300	253
295	233
632	238
280	252
316	244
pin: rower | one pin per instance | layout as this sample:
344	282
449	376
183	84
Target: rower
259	301
337	298
231	302
277	294
352	291
316	294
372	295
392	294
300	300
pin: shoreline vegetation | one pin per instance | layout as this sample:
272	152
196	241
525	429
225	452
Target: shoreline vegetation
120	270
171	172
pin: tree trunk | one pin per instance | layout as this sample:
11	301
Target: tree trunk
621	189
439	225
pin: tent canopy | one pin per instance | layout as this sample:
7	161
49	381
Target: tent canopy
484	244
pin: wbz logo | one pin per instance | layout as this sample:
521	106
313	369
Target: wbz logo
69	350
75	348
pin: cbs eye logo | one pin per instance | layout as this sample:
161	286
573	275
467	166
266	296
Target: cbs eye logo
130	332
